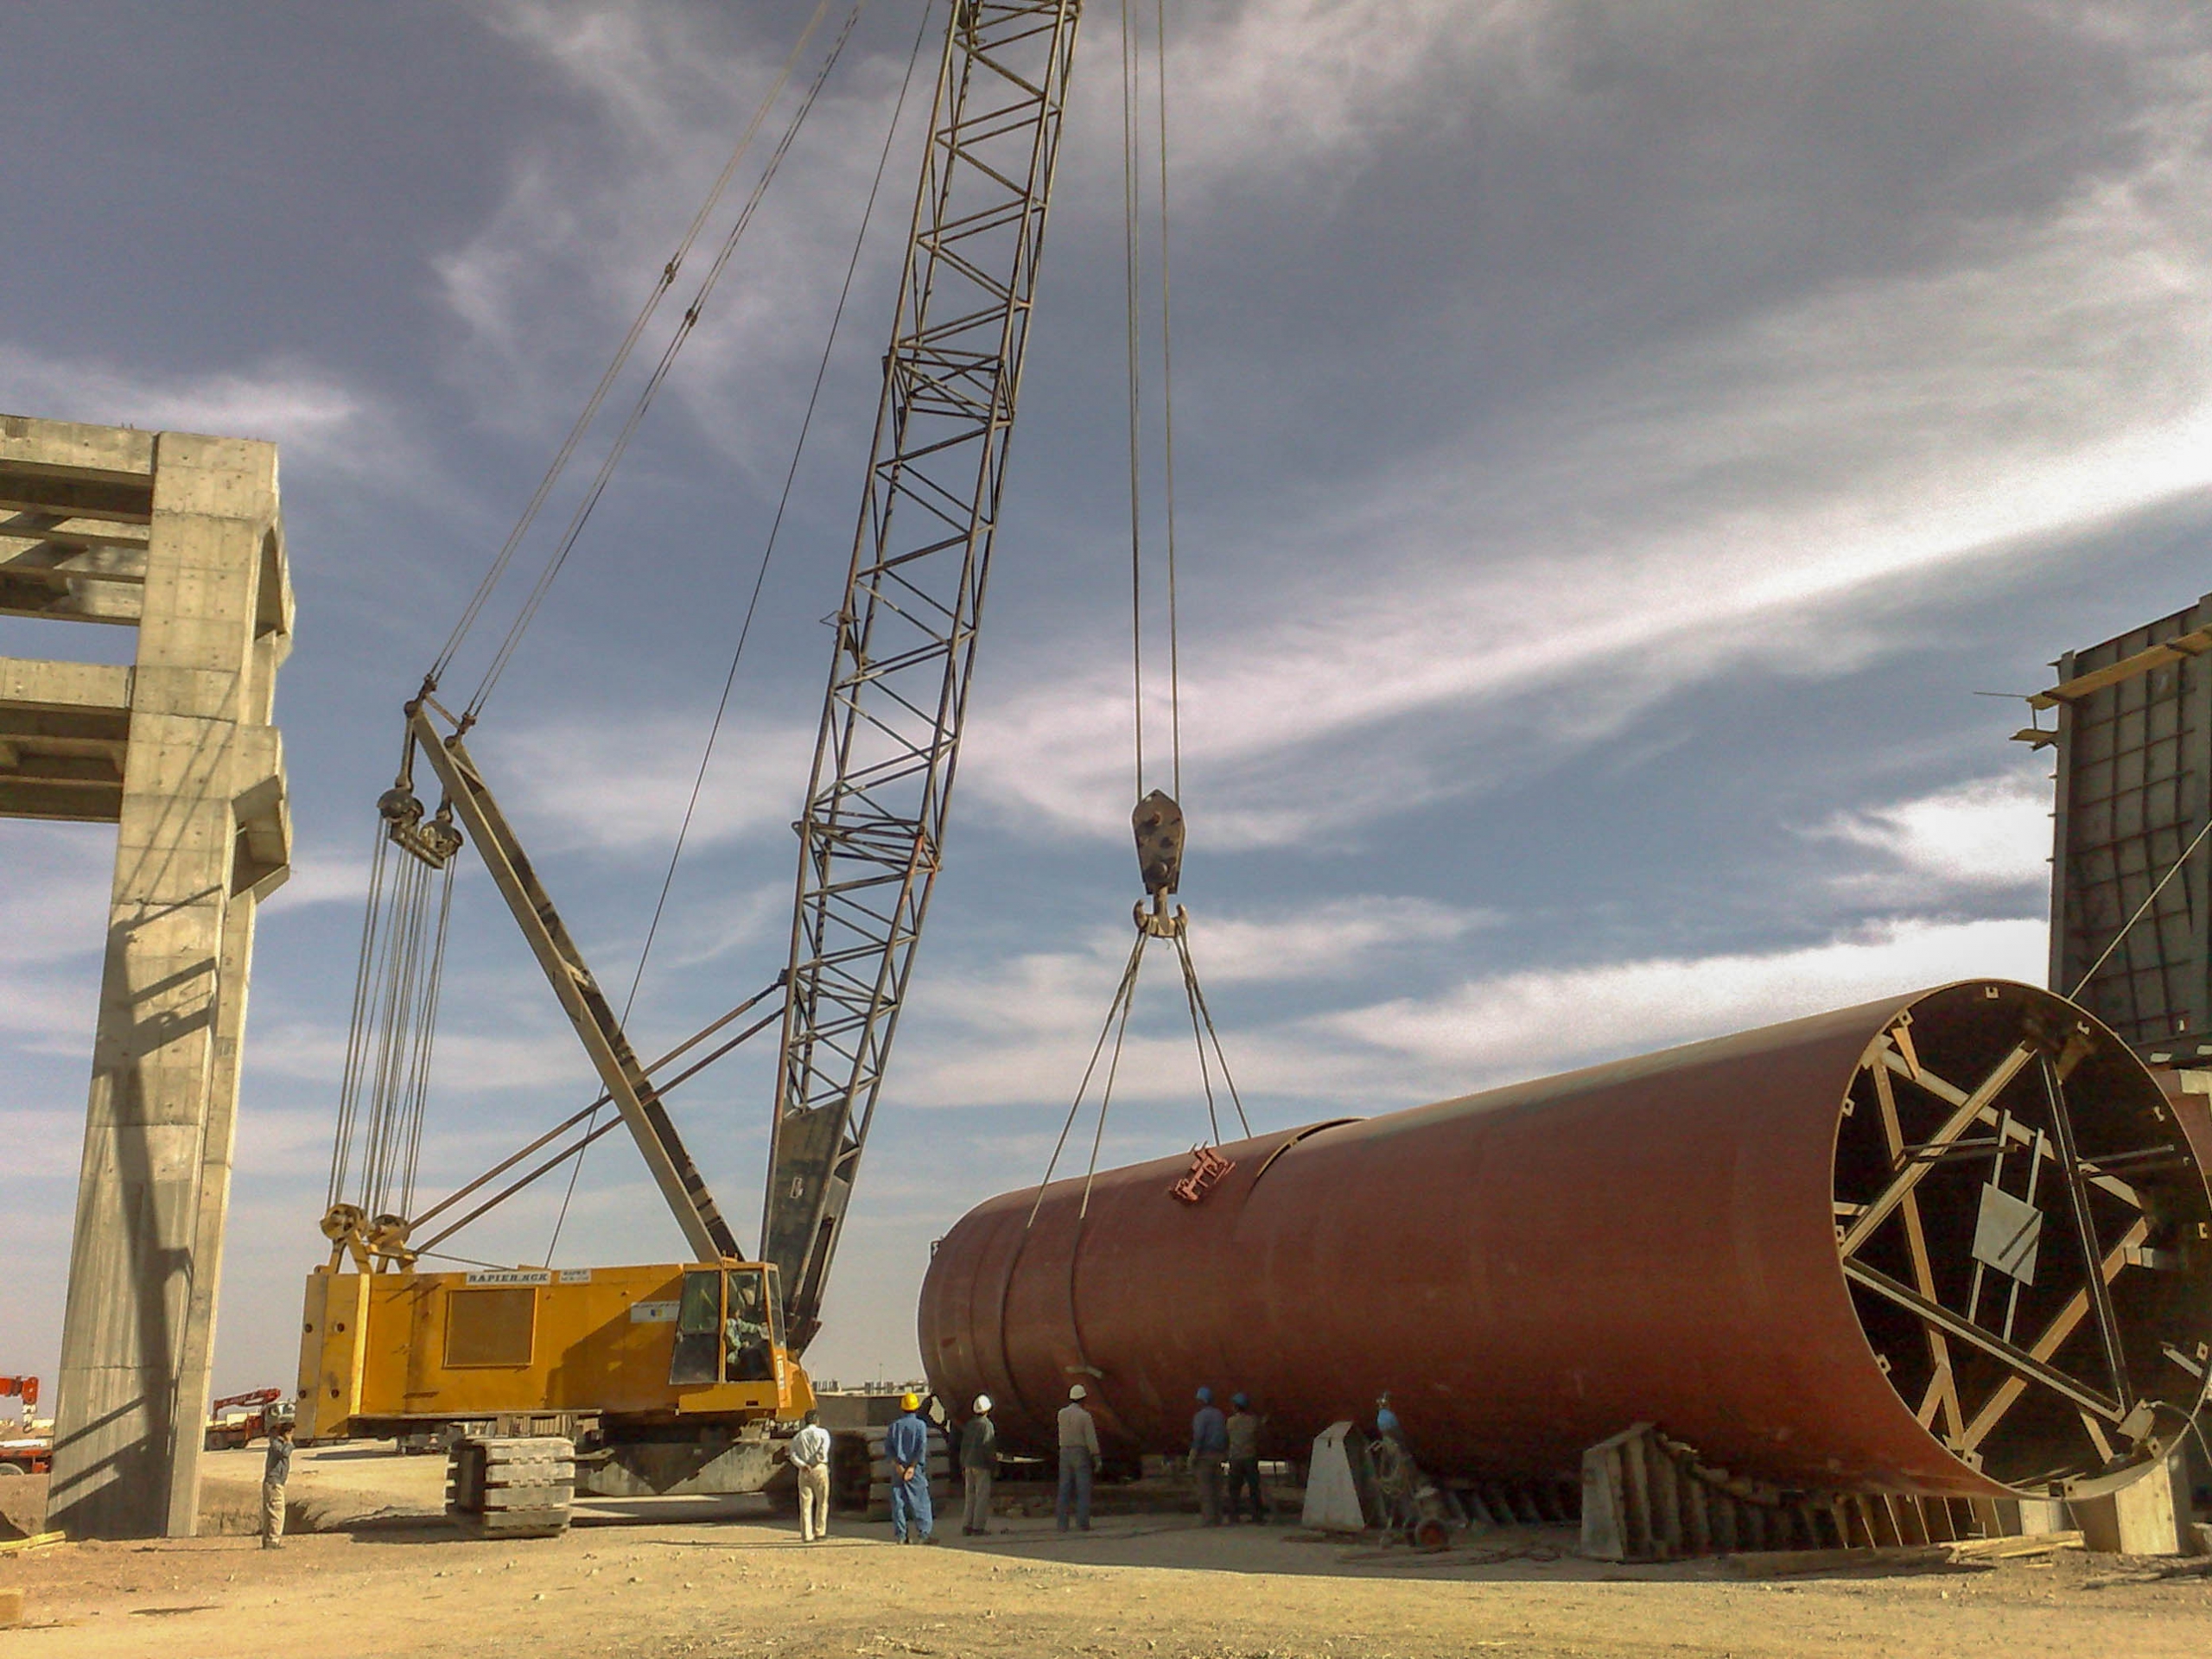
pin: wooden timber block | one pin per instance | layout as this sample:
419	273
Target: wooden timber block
2147	1517
1788	1563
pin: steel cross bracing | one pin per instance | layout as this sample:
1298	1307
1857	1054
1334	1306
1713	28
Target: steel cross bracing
2100	1224
883	767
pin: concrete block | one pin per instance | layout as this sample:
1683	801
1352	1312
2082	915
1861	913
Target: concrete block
1333	1485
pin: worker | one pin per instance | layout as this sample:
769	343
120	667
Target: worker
1079	1459
745	1332
1209	1443
1386	1421
1244	1431
979	1461
906	1444
810	1456
274	1473
1394	1478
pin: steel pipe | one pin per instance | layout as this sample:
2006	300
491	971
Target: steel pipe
1853	1251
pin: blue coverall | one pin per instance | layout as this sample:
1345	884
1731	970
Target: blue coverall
906	1445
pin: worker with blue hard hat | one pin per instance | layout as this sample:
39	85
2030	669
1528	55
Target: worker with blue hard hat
1209	1446
1386	1421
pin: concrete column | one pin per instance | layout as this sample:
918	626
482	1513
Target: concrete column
201	835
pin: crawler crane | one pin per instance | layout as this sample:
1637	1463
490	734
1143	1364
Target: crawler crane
652	1379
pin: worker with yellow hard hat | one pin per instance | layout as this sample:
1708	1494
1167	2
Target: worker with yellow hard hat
906	1446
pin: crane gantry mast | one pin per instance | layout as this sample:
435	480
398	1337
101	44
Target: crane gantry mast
872	834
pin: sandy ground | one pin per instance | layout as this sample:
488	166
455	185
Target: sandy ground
663	1578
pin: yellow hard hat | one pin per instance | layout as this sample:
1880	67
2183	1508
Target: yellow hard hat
910	1400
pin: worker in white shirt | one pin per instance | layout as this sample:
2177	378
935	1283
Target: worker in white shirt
979	1460
1079	1459
810	1456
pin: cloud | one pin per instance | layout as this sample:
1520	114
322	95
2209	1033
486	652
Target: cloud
323	877
1021	1031
320	420
1276	86
1334	937
620	786
54	903
1781	492
1533	1021
1989	833
594	207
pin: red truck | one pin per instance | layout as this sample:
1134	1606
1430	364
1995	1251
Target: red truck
228	1434
24	1450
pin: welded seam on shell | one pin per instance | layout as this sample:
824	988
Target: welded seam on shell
1308	1133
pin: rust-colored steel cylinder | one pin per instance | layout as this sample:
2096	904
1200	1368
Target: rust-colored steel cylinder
1953	1243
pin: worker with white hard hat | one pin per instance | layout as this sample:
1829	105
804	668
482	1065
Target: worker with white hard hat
1079	1459
979	1461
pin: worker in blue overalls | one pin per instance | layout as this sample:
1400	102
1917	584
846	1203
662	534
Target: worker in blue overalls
906	1447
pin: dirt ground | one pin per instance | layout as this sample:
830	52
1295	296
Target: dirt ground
727	1577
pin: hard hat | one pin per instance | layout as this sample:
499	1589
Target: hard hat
1240	1400
910	1400
1205	1396
982	1403
1077	1392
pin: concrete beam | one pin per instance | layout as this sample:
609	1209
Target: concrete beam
66	598
72	449
81	570
24	491
65	688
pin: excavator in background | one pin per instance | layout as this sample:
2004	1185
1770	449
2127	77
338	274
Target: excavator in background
632	1381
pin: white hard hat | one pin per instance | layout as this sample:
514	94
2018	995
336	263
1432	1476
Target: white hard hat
1077	1392
982	1402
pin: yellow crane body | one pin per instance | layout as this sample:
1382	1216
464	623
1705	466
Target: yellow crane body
394	1352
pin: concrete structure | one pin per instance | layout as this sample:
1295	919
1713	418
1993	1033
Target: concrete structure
178	536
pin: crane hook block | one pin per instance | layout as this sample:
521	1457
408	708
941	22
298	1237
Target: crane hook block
1159	825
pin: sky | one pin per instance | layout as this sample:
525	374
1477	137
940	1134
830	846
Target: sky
1619	449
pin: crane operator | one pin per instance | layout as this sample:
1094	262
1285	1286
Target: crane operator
745	1331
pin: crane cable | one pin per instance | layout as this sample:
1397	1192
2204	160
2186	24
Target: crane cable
1117	1023
1132	282
761	574
662	284
1168	414
690	321
393	1028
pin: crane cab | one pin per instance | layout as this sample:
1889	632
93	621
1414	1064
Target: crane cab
729	1328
